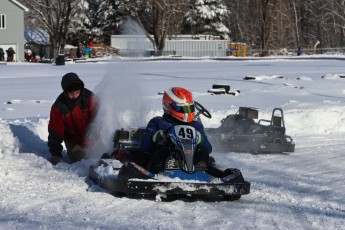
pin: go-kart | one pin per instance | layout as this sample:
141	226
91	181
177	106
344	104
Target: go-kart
241	133
179	177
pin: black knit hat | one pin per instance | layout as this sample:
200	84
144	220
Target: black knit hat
71	82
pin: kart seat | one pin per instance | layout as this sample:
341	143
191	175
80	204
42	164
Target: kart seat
277	121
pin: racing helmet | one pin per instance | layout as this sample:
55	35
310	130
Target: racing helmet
178	103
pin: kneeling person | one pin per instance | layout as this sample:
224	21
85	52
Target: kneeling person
70	116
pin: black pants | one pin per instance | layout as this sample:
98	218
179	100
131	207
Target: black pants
158	158
201	155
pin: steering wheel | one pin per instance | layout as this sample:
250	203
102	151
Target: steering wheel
201	110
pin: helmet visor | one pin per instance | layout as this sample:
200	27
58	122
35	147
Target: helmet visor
183	108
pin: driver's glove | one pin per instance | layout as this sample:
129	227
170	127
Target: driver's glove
159	137
200	138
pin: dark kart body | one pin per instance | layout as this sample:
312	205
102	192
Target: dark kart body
132	177
240	133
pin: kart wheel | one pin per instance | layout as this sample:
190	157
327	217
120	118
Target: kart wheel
278	141
120	194
231	197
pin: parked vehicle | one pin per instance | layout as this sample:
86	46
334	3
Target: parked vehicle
241	133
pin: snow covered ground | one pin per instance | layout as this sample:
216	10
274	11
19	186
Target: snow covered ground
300	190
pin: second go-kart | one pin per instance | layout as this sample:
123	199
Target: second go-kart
240	133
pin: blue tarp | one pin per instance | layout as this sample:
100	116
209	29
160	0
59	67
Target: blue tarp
37	36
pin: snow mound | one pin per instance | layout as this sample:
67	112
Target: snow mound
9	143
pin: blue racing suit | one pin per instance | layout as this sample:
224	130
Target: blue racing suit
165	122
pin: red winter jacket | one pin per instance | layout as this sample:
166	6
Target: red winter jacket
69	120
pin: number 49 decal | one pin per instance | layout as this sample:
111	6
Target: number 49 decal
185	132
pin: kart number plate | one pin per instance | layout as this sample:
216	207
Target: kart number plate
185	132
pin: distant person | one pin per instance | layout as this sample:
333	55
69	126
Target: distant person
2	54
299	51
71	53
34	57
78	52
70	116
27	53
10	54
86	52
42	53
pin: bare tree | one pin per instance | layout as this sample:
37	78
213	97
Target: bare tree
56	17
295	6
166	16
245	28
275	24
267	11
337	11
263	24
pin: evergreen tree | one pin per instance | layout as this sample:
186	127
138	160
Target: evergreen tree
110	18
207	17
81	25
96	31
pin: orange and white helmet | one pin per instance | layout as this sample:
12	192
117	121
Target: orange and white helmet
178	103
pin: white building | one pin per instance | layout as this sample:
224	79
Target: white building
12	27
180	45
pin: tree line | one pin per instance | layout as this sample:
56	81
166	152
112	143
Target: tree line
262	24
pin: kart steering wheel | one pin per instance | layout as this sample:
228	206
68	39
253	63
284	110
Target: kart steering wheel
202	110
